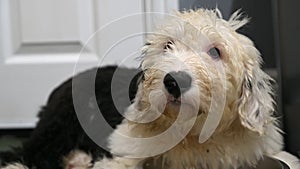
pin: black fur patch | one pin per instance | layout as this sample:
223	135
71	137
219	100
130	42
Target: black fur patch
168	45
249	84
58	131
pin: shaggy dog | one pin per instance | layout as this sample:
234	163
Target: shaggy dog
202	102
59	132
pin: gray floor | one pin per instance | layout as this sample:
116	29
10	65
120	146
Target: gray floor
6	142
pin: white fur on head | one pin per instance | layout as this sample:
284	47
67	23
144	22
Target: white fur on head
236	20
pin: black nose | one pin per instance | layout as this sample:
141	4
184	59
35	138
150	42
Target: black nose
177	83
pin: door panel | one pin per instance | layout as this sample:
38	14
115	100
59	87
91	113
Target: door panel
40	24
40	45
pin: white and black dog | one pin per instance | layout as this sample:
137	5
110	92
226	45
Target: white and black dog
203	101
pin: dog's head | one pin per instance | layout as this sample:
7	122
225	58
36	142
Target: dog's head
196	66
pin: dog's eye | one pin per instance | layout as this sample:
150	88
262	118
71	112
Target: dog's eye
168	45
214	53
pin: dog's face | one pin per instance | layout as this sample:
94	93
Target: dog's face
198	66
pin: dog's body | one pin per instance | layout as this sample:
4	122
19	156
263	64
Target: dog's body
203	101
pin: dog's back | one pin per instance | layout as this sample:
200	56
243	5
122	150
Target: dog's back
58	131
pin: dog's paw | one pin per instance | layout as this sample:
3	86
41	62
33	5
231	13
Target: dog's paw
15	166
78	160
116	163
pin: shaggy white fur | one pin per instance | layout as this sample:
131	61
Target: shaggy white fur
77	160
228	89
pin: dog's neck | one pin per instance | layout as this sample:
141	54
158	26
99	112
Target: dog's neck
189	153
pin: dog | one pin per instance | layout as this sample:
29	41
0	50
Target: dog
203	101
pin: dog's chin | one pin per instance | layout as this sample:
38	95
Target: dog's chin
174	102
181	108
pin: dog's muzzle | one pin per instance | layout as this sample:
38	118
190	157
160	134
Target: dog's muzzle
177	83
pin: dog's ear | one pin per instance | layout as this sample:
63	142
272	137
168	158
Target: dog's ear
256	104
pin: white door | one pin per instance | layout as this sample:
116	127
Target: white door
41	40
